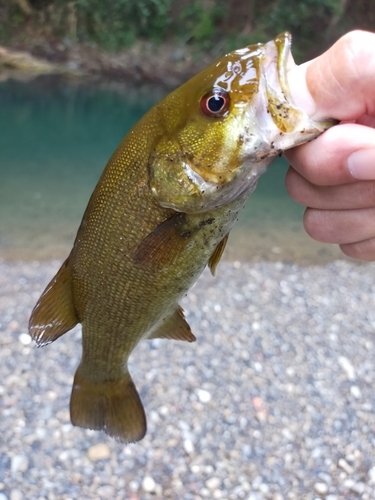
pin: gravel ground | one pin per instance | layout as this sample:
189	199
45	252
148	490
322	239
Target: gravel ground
276	399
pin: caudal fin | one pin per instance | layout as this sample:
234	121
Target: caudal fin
113	406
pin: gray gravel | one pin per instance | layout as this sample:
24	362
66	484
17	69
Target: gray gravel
276	399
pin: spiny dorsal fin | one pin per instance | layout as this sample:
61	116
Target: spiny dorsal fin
174	327
54	313
216	255
113	406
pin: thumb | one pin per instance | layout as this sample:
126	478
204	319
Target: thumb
341	82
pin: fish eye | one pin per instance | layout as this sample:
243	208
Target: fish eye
215	103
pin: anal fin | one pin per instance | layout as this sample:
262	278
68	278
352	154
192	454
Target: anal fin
217	254
54	313
113	406
174	327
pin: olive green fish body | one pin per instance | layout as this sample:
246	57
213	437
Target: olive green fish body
162	211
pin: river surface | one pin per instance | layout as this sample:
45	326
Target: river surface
56	137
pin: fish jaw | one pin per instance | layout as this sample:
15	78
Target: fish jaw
262	124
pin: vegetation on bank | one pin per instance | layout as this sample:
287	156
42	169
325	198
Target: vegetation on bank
203	24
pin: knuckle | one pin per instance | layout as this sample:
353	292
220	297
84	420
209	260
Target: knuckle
314	225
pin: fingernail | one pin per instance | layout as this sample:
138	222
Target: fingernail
361	164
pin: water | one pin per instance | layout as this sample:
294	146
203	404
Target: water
56	137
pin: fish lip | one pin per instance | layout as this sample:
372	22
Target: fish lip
283	44
285	60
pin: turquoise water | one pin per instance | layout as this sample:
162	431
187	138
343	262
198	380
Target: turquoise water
55	139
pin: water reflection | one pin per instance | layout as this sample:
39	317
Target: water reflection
56	137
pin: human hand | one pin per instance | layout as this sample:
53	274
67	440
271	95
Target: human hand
334	175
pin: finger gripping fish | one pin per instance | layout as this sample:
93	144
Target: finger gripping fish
161	211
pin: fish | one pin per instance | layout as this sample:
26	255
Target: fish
161	212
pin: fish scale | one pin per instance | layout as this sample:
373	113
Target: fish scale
161	211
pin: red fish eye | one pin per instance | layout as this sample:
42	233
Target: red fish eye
215	103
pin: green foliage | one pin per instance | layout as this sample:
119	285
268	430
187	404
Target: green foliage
204	24
117	23
309	21
200	22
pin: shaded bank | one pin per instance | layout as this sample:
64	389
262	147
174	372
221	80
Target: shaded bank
166	41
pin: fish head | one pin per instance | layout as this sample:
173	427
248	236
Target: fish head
223	128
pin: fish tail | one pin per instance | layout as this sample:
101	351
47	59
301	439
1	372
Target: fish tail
113	406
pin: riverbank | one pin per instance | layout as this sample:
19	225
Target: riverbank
275	400
164	65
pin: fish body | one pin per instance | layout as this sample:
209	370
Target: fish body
161	211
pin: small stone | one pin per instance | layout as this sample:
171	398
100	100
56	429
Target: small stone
106	491
355	391
204	396
134	486
343	464
188	446
371	476
321	488
277	496
255	496
19	463
24	338
357	487
347	366
205	492
148	484
13	326
213	483
16	495
99	451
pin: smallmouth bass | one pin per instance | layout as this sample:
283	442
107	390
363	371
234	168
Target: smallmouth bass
161	211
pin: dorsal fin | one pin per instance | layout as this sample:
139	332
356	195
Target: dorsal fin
54	313
216	255
174	327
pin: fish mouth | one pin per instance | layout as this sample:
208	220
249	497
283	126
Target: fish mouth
278	61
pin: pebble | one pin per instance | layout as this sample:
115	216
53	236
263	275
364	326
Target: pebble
188	446
321	488
16	495
20	463
371	476
213	483
224	412
355	391
343	464
24	338
347	366
99	451
148	484
204	396
106	491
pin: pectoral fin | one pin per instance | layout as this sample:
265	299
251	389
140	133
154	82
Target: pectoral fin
174	327
163	244
54	313
217	254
